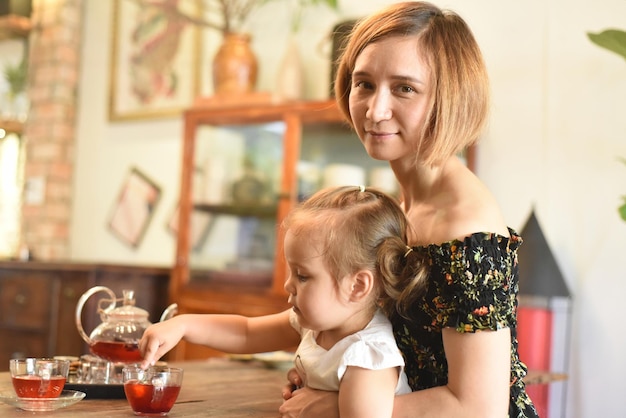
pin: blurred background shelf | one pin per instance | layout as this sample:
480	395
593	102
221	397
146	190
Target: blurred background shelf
14	26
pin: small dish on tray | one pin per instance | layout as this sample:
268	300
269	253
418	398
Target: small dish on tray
67	398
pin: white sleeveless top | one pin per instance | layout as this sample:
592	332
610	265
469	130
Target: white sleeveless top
374	347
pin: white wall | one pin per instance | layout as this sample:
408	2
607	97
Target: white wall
557	128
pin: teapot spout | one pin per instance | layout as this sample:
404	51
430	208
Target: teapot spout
169	312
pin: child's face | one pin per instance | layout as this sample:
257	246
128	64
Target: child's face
320	302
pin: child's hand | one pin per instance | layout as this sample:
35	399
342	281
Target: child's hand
295	382
160	338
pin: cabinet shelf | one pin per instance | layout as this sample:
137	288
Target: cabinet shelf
14	26
257	211
11	125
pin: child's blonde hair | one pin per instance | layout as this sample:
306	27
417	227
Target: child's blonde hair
363	228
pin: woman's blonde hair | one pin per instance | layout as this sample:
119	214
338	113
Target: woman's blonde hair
459	85
362	228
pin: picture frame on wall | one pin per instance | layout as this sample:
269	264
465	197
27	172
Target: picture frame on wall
155	58
134	207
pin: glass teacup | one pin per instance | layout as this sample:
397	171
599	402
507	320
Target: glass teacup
152	391
38	377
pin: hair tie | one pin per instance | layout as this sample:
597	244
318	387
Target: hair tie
408	251
361	188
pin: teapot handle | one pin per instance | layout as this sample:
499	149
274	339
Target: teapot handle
169	312
81	303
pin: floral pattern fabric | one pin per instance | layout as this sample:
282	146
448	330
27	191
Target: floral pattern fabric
473	286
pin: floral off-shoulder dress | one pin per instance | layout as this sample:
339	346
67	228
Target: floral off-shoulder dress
473	286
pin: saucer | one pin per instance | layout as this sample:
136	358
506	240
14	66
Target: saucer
67	398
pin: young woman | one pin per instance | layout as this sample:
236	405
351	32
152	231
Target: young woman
414	86
346	250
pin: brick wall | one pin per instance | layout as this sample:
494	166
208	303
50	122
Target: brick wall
50	130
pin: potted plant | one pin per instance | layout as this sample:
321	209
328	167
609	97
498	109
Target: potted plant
612	39
615	41
16	77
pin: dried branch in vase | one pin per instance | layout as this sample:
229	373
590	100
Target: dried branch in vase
228	16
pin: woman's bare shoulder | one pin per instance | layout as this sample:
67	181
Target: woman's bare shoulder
473	208
476	210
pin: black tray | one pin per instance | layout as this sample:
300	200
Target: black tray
98	390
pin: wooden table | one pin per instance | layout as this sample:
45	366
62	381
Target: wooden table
212	388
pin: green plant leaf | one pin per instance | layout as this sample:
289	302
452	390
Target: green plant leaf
15	75
612	39
333	4
622	209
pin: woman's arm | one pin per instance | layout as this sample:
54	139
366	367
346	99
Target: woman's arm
229	333
478	384
479	367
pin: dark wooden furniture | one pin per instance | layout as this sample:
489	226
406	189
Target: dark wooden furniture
38	303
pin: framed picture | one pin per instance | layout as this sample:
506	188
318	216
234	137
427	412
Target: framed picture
155	58
201	222
134	207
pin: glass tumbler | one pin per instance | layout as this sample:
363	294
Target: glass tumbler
152	392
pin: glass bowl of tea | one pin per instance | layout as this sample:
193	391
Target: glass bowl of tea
38	377
153	391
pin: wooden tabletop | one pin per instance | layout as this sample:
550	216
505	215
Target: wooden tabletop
217	387
212	388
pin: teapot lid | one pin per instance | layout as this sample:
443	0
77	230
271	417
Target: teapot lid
128	311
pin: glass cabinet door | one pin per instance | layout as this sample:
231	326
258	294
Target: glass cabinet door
236	189
333	155
236	186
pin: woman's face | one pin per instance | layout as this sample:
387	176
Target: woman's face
389	97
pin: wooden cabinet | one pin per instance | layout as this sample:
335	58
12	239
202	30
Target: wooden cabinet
38	303
249	156
239	180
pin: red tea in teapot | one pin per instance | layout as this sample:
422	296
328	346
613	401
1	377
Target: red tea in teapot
32	386
115	339
117	351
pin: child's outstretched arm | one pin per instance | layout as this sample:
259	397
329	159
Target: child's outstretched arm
229	333
365	393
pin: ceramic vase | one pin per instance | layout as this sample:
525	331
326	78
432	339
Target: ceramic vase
290	75
234	66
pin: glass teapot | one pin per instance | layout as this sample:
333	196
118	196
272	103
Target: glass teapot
117	338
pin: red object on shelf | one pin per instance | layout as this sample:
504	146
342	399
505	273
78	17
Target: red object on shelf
543	318
534	330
